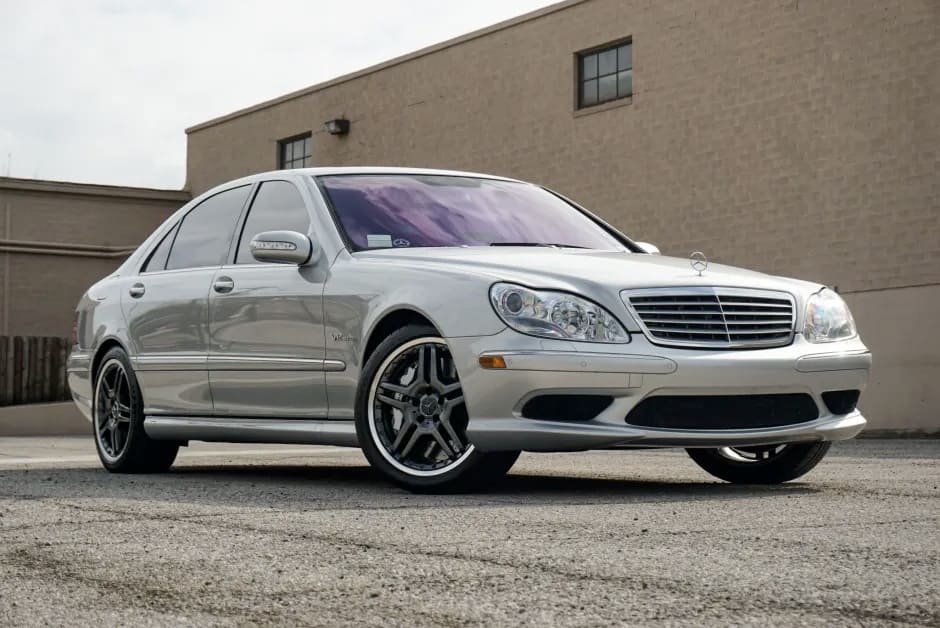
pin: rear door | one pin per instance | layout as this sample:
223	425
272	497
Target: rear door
266	345
167	305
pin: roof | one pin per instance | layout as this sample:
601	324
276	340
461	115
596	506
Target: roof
336	170
423	52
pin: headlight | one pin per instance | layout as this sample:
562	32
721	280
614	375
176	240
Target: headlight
827	318
555	315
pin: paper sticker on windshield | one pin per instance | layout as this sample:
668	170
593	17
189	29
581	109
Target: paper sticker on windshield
376	241
400	242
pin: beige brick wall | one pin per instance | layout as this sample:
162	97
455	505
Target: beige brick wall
797	137
38	292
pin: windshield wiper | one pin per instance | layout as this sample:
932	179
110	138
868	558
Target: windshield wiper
550	244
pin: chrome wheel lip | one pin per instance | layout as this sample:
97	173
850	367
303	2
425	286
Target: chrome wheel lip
98	420
373	390
737	454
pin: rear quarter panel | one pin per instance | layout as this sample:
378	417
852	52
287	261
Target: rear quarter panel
100	320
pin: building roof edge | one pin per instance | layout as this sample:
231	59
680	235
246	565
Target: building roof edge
92	189
417	54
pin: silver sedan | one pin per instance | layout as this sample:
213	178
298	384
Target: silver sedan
446	321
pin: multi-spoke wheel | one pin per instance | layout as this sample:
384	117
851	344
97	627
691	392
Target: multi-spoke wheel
120	439
112	410
764	464
412	417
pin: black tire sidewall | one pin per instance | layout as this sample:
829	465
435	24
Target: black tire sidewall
795	461
477	469
136	423
141	453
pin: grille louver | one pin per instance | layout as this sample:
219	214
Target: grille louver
716	318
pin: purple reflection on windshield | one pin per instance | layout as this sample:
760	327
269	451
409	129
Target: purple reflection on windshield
436	210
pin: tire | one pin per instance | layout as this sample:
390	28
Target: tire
772	464
118	421
411	419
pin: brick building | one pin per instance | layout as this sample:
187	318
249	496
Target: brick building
58	238
794	137
797	138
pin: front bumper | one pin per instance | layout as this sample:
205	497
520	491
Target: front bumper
632	372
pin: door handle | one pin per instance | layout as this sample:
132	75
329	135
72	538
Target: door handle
223	285
137	290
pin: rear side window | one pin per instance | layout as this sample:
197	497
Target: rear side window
160	254
206	232
278	206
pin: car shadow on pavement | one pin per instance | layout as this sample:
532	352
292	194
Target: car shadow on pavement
292	487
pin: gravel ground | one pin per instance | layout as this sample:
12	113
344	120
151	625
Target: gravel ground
239	535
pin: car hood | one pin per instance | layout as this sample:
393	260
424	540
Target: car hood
577	269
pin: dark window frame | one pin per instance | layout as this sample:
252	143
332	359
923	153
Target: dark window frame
290	163
589	81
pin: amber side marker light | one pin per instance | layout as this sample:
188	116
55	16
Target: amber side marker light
492	362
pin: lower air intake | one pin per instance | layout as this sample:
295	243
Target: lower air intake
841	401
566	407
723	412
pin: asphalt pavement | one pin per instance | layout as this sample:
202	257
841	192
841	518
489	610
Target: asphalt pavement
247	535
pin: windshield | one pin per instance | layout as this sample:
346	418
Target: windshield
382	211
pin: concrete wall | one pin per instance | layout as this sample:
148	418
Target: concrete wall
899	326
795	137
56	239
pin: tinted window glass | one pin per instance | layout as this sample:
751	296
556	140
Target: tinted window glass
160	254
383	211
278	206
206	232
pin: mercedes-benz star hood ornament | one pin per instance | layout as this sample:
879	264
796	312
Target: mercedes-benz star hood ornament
699	262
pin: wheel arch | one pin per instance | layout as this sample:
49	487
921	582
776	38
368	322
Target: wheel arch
102	350
390	322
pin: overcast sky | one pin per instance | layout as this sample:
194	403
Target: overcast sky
100	91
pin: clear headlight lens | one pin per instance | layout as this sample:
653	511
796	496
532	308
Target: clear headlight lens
555	315
827	318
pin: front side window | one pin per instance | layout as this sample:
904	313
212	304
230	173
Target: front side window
605	75
278	206
382	211
205	234
294	152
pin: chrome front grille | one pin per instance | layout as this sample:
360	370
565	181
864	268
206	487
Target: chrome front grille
715	318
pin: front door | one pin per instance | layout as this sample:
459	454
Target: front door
266	347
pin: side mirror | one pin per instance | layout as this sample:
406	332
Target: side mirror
284	247
651	249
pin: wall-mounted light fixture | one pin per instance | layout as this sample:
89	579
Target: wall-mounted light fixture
339	126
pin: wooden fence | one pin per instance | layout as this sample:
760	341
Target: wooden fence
32	369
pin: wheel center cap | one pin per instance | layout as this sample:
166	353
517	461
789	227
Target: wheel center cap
429	406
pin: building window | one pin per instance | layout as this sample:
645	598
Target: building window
294	152
605	74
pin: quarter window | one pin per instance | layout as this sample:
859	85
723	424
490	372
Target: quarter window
206	232
605	74
294	152
158	258
278	206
